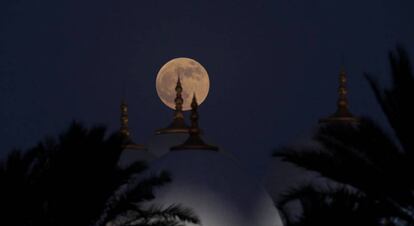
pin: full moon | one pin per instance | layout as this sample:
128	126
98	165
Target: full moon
194	79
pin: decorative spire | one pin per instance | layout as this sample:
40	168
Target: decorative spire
178	100
342	113
178	124
194	115
342	103
124	129
194	140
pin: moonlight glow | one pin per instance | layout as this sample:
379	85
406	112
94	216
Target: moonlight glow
194	79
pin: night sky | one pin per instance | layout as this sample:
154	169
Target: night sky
273	65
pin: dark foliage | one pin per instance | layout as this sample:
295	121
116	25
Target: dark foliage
321	207
69	181
364	157
125	206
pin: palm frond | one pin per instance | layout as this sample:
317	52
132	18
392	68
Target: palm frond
129	195
396	102
173	212
364	156
325	206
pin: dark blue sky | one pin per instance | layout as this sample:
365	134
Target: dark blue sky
273	65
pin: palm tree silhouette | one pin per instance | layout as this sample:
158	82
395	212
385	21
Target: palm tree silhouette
330	206
16	187
364	157
69	180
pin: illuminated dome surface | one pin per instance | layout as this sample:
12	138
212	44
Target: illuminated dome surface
281	176
216	188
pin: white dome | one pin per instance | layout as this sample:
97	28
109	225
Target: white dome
219	191
281	176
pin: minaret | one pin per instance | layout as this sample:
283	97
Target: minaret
178	124
194	140
124	129
342	113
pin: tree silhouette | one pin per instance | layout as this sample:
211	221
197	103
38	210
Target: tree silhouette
69	180
331	206
16	185
364	157
125	206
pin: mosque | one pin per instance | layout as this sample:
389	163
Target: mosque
206	178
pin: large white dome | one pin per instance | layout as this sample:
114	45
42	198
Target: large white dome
216	188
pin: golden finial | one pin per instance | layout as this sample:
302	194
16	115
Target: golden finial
124	129
342	113
194	140
342	103
178	124
178	100
194	115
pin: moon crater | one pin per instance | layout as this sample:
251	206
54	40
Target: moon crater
194	79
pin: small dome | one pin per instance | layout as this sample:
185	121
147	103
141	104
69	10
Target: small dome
216	188
282	176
